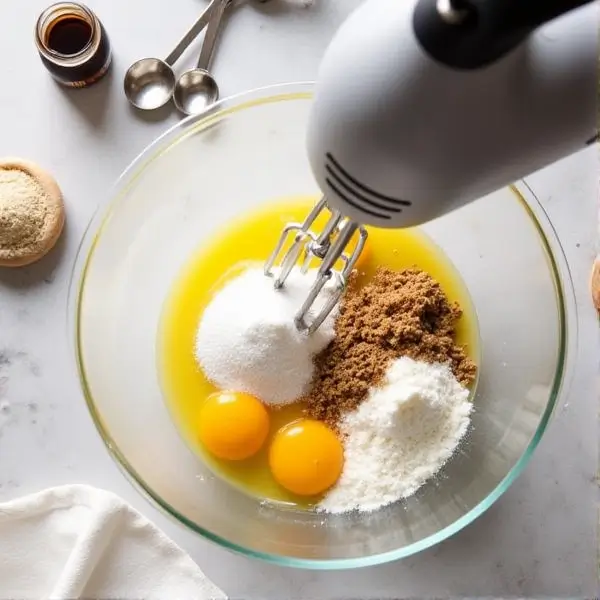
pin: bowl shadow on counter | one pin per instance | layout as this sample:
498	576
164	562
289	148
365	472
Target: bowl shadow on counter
460	553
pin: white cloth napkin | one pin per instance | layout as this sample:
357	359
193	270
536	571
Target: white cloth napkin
80	542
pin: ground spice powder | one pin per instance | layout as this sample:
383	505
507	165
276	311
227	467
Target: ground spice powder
22	211
398	313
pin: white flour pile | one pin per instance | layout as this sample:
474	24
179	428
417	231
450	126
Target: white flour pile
247	340
400	436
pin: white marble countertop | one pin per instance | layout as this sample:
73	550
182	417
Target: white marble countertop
539	540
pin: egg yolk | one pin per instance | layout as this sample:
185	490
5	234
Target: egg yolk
306	457
233	425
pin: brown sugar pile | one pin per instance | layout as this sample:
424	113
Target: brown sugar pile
396	314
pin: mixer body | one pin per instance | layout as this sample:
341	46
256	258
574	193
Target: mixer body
396	138
414	118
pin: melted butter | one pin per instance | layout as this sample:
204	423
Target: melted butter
248	242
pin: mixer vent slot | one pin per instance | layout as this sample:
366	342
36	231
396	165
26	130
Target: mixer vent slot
358	194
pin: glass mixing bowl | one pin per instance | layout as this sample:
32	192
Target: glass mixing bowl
247	150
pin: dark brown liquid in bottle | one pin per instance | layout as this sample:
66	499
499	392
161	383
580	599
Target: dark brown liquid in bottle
69	35
73	45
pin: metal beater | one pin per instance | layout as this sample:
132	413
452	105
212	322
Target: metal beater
329	246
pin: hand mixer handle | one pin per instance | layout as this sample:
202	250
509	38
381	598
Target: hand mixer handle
398	137
470	34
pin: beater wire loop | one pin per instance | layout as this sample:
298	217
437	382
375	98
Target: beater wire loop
299	245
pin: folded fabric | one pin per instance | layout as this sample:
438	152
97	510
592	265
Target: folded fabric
76	541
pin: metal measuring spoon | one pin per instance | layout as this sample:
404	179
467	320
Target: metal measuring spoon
197	88
149	82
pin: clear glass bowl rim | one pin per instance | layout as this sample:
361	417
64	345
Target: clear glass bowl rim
567	313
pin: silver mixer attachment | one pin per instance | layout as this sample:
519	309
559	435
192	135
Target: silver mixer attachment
329	247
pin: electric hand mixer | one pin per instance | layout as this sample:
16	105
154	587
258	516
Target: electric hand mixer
424	105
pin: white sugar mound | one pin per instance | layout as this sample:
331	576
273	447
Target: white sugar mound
400	436
247	340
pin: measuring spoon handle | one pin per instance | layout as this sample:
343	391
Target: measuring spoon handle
191	35
212	34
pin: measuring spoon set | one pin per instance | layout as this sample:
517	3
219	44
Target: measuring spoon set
151	82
